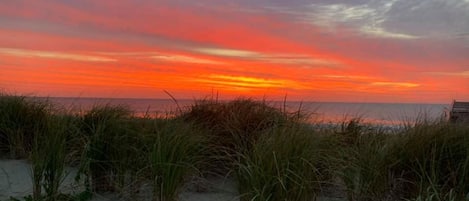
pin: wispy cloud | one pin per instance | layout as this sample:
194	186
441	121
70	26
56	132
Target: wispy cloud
228	52
396	84
298	59
278	58
164	57
246	82
329	15
464	74
185	59
366	19
347	77
54	55
380	32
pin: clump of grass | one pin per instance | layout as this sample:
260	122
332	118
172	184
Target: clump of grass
434	157
434	195
273	155
234	126
366	168
48	158
426	161
20	119
111	147
287	163
177	153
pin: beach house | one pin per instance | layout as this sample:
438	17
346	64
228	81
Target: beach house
459	112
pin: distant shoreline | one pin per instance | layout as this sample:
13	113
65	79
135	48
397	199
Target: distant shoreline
225	100
386	114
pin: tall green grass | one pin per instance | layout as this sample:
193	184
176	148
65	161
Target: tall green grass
48	158
366	168
20	119
234	126
272	153
287	163
177	153
426	161
31	128
111	147
434	157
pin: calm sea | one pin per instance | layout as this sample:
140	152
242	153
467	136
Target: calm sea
378	113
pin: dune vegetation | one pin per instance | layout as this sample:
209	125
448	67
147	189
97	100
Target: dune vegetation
271	153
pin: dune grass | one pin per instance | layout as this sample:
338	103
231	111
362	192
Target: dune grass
30	128
177	153
233	127
20	119
289	162
48	158
426	161
110	148
272	153
434	160
366	165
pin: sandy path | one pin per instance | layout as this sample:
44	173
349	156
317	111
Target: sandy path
15	180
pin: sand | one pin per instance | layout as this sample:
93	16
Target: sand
15	181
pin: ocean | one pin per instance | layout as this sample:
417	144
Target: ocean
326	112
329	112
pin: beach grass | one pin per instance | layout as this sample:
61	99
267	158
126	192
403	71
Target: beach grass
234	127
271	153
289	162
48	158
110	147
366	160
20	119
425	161
434	160
176	154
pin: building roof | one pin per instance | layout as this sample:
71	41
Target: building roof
460	106
459	112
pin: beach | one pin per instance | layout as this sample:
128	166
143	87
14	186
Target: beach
15	181
15	177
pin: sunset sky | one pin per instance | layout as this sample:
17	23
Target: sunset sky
310	50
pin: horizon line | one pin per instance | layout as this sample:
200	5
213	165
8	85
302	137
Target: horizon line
240	97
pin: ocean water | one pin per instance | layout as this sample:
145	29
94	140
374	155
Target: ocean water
327	112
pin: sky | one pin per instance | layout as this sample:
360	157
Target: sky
308	50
